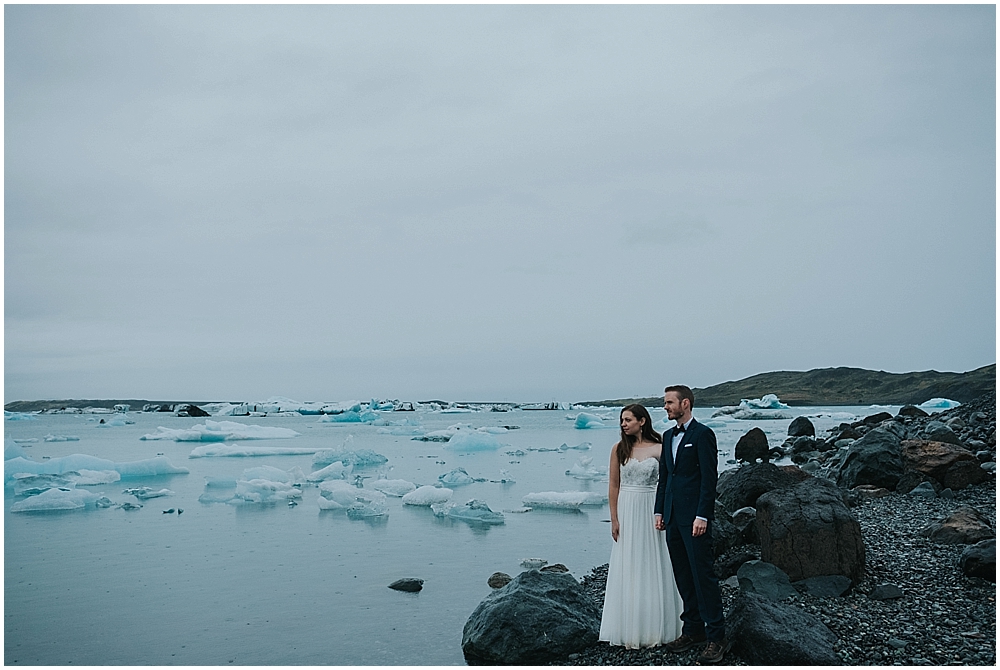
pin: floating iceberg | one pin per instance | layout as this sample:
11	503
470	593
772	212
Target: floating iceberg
220	482
585	421
769	401
359	459
835	416
55	499
367	505
584	469
19	416
61	438
117	420
235	450
939	403
563	500
761	414
336	494
265	491
336	470
32	485
85	477
472	441
220	431
394	487
274	474
425	496
457	477
145	492
493	430
12	449
583	446
474	511
401	430
57	466
366	416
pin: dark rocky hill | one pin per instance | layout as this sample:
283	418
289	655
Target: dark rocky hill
843	386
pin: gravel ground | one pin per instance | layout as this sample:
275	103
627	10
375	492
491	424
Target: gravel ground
943	618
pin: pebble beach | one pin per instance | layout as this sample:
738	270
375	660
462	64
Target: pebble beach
943	618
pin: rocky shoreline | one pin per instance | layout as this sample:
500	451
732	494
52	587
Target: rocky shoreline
916	603
943	618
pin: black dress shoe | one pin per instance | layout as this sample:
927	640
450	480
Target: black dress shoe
684	642
713	652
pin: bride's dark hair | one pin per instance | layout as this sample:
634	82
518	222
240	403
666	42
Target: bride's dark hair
624	447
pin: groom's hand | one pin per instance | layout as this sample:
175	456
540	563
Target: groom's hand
699	528
658	522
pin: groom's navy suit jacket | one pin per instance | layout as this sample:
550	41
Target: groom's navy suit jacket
687	486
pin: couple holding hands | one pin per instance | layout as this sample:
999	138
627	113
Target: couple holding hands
664	592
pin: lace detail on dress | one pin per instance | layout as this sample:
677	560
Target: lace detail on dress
640	473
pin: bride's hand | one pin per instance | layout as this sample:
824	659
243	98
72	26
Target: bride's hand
614	530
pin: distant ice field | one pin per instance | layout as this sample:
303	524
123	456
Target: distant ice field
278	584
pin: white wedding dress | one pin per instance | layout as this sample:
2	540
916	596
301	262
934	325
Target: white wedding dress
642	607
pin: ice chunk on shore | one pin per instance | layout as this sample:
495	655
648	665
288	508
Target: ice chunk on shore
425	496
336	470
585	469
474	511
563	499
457	477
394	487
221	431
472	441
588	421
939	403
55	499
57	466
235	450
19	416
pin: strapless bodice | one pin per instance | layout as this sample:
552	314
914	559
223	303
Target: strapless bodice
640	473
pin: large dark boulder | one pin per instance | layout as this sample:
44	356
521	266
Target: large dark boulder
765	632
538	617
807	531
875	459
953	466
725	535
939	432
876	419
741	487
980	560
765	579
912	411
800	426
752	447
963	526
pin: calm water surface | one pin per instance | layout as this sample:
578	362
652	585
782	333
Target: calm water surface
274	585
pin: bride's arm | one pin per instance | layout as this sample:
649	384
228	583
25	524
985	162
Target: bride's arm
614	483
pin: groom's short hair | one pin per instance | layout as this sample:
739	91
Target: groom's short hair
682	391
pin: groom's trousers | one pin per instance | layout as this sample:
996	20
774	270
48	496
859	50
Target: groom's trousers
692	558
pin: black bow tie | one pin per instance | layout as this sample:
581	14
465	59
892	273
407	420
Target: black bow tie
679	429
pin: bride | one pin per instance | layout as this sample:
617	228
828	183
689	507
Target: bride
642	605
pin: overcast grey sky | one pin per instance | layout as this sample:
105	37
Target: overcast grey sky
492	202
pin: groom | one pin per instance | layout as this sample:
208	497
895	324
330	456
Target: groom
685	507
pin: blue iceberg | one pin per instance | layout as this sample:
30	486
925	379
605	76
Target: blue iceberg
587	421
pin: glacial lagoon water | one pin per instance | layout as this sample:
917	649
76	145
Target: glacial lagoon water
269	584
